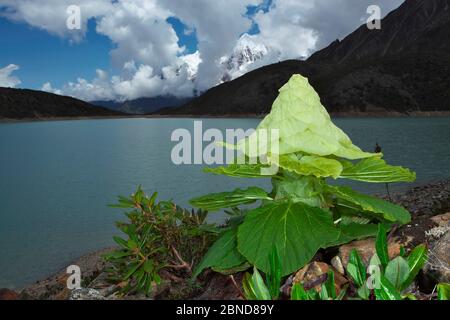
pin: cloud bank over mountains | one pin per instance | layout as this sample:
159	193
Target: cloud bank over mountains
232	38
6	77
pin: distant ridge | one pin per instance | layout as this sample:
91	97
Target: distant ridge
143	105
403	68
32	104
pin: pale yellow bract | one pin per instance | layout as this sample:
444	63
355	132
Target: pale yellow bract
304	125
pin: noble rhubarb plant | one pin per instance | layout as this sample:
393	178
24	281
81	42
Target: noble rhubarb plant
302	213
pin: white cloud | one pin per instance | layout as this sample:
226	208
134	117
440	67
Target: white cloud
148	57
218	25
51	15
294	29
143	82
282	30
48	88
141	33
327	20
6	77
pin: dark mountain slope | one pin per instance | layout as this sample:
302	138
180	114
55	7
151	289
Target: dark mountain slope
143	105
416	26
30	104
404	67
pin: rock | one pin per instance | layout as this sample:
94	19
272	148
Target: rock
441	220
103	285
315	273
426	200
438	265
86	294
422	229
7	294
442	227
55	287
336	262
286	287
366	249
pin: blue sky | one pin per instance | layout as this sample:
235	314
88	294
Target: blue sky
133	48
43	57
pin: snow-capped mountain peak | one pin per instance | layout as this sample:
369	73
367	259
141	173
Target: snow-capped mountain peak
246	52
191	63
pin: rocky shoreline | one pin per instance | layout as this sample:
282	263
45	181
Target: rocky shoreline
430	209
384	114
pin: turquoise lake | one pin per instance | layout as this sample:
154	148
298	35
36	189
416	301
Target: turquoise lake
57	178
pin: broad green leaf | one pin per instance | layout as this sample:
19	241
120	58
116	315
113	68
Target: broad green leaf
304	126
376	170
349	220
216	201
356	268
402	251
354	231
223	254
247	287
274	275
295	229
443	291
254	287
416	260
397	272
409	296
364	292
342	293
313	294
239	170
387	291
230	271
374	260
299	293
353	272
323	294
303	165
387	210
330	285
381	246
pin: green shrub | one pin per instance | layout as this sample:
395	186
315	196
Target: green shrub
158	236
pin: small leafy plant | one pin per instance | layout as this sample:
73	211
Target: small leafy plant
159	236
303	212
388	278
327	291
254	286
383	279
256	289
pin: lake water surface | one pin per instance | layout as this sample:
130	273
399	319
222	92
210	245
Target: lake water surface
56	178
